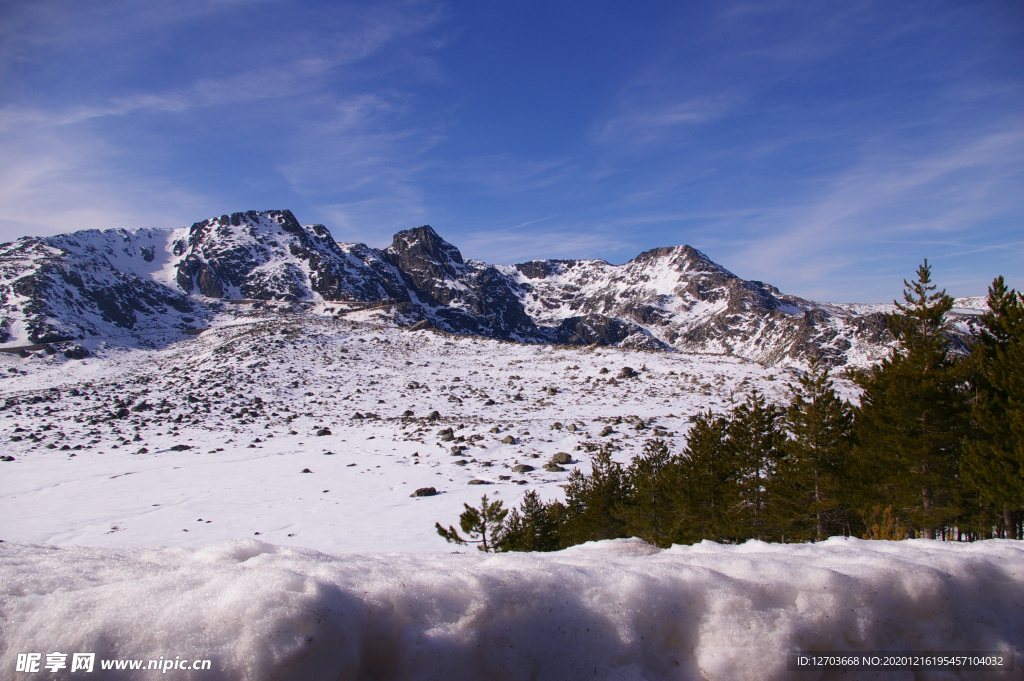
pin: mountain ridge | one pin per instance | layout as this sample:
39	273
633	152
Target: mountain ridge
127	287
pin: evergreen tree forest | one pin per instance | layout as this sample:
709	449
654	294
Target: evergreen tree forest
934	449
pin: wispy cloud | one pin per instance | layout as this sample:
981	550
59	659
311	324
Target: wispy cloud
640	124
68	161
504	175
505	247
373	221
888	198
532	222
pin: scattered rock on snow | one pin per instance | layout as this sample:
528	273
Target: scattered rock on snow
76	352
424	492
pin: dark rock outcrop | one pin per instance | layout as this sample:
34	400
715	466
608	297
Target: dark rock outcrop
459	296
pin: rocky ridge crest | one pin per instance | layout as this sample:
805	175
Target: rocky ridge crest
120	286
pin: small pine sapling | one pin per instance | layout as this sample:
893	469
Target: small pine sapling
481	525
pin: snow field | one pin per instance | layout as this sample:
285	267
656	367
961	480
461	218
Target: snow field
609	610
242	472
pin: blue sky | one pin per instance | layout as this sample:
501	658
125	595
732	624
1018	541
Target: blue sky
826	148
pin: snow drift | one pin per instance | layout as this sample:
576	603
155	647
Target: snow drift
611	610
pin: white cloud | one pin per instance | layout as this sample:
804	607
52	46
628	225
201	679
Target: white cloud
54	180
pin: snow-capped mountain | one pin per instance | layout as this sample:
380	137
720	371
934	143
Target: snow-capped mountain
679	298
269	256
125	286
115	285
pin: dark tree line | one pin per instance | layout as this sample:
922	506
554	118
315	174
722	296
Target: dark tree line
935	449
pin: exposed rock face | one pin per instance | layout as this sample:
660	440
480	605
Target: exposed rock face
117	285
594	329
461	297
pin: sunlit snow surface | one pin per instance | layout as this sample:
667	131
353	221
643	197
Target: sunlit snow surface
243	475
611	610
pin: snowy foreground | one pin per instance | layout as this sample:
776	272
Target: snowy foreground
312	431
611	610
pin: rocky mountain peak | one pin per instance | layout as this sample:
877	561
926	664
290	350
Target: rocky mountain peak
683	258
424	247
263	255
226	225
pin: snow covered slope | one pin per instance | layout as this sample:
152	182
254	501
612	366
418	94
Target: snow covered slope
147	287
614	610
132	446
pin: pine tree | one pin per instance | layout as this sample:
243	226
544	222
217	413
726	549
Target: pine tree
912	415
648	485
755	441
921	321
590	501
706	502
482	525
531	527
993	464
810	484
